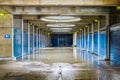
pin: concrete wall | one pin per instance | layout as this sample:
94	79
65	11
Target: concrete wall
5	28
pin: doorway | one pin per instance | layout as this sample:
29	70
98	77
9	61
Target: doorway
62	40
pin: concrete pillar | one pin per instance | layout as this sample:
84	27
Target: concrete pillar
80	39
28	41
47	40
88	38
98	39
36	51
22	39
85	55
92	37
39	43
74	39
108	39
88	45
13	58
33	43
84	38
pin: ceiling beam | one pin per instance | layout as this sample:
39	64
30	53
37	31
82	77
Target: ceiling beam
60	2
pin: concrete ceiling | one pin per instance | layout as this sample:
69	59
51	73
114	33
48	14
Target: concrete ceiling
60	2
33	10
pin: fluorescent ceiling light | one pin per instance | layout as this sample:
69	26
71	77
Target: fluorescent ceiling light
62	28
61	31
60	19
60	25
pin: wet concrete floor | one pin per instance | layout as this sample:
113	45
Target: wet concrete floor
56	64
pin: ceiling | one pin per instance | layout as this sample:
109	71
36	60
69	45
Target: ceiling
84	20
83	15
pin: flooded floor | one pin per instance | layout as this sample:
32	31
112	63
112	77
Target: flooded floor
58	64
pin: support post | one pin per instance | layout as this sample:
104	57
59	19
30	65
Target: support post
37	44
80	39
98	39
22	39
33	42
84	38
74	39
13	58
28	41
88	39
92	37
108	39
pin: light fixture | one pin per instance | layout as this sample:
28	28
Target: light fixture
2	13
56	30
118	7
96	20
60	25
60	19
61	28
86	26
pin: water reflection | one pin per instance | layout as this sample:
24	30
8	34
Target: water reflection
75	54
81	65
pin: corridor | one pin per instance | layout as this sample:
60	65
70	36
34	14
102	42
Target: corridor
59	39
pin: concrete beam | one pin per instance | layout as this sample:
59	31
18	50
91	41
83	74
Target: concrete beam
60	2
60	10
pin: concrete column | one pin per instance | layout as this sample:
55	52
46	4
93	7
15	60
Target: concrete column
13	58
22	39
98	39
40	38
33	43
88	45
84	38
36	51
39	43
80	39
48	40
92	37
88	38
108	39
85	55
28	41
75	39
